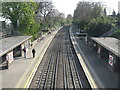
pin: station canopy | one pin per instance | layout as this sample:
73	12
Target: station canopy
110	43
9	43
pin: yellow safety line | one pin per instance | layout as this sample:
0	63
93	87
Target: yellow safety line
37	64
93	84
87	73
34	70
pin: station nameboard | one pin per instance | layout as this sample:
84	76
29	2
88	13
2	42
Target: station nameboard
111	60
9	57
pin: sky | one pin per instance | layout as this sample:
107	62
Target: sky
68	6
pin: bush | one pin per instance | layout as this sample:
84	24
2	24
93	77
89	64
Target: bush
98	26
117	34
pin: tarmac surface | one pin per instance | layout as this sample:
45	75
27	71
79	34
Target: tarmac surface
18	73
98	68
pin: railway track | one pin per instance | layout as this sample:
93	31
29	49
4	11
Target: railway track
59	67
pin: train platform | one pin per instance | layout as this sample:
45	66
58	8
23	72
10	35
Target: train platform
101	74
18	73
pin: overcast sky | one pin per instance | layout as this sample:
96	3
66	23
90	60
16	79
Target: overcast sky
68	6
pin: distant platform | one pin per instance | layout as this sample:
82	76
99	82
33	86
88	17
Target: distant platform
82	34
10	43
110	43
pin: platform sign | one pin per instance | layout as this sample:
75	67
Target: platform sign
9	57
111	60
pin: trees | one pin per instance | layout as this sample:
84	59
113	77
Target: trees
118	19
44	10
11	11
30	17
21	15
114	13
117	34
98	26
97	10
55	18
49	16
105	12
69	19
86	11
93	18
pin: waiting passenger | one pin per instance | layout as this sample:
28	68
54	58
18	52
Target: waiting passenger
24	52
33	52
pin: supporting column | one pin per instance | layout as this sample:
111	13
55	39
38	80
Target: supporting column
22	52
99	51
102	52
95	46
90	42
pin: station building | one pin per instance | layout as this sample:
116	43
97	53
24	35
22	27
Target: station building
108	49
12	47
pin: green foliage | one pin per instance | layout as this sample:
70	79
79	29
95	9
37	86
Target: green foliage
117	34
86	11
51	17
93	18
118	19
104	12
98	26
22	16
97	10
114	13
11	11
29	18
69	19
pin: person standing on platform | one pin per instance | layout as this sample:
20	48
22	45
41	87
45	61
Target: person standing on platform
33	52
24	52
